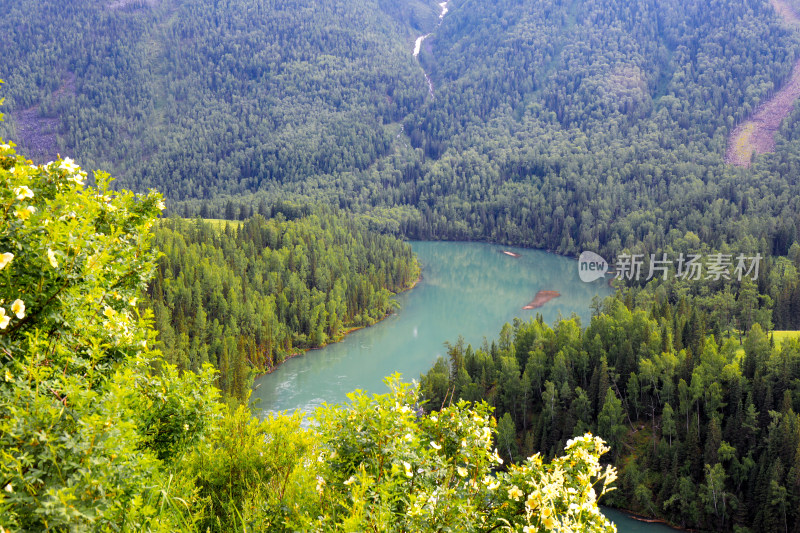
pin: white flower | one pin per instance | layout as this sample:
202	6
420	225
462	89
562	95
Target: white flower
9	488
68	165
51	256
5	147
409	437
514	493
161	205
461	471
18	308
407	468
5	259
186	427
4	319
24	214
77	178
350	480
496	457
436	446
23	192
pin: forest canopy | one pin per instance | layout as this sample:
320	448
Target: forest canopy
245	297
705	432
98	433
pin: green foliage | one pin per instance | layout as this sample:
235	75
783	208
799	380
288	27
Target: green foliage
379	463
99	434
717	460
389	467
255	475
87	434
245	298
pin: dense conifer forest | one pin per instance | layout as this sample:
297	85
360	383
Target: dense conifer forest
563	125
245	297
704	430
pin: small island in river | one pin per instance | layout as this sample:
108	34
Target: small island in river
542	297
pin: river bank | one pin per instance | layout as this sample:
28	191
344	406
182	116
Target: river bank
347	331
469	289
630	522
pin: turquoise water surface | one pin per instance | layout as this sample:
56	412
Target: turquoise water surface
468	289
626	524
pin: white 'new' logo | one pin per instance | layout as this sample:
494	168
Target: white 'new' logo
591	266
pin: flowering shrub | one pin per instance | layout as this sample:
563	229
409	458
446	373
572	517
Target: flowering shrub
380	464
87	432
386	466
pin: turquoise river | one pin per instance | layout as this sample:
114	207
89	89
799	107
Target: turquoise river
468	290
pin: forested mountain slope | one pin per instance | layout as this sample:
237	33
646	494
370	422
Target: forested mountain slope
558	124
570	125
198	98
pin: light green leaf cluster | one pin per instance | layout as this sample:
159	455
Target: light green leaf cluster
379	463
385	465
88	433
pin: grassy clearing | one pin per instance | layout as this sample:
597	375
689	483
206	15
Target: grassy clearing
220	223
781	336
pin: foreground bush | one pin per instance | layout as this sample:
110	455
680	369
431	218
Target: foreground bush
380	464
88	433
98	434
